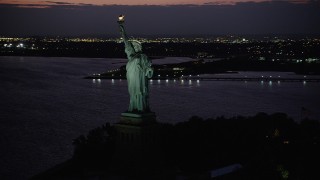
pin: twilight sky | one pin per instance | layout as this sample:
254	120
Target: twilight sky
159	17
137	2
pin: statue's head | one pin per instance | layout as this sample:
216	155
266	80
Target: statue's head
136	45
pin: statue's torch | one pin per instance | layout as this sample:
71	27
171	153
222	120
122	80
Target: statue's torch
121	19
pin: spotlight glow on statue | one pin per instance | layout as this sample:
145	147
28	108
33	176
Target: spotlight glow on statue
138	72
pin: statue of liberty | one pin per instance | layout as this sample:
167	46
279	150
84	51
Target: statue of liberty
138	72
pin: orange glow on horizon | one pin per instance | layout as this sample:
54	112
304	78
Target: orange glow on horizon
135	2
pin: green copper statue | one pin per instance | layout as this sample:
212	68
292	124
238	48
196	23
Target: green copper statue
138	72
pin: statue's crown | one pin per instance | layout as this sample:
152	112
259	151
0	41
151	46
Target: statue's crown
137	45
135	41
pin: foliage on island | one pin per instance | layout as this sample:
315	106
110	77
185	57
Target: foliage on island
267	146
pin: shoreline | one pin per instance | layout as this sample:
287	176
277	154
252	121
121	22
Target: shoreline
216	78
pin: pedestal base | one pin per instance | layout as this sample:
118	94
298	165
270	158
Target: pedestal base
137	145
138	115
137	119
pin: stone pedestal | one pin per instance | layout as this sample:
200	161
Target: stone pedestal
138	141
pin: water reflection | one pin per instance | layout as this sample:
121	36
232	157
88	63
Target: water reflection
196	82
98	81
174	81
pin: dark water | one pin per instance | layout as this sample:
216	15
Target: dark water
45	104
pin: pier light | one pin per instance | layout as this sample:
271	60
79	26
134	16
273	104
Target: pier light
94	80
167	80
262	76
158	75
20	45
189	75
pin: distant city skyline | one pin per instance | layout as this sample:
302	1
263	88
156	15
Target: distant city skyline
159	17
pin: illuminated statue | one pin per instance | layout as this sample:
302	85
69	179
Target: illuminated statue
138	72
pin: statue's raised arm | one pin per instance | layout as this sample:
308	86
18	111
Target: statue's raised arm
129	49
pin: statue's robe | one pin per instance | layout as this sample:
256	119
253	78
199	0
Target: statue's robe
138	71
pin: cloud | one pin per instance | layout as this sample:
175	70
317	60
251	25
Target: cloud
45	4
233	2
219	3
86	4
59	3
